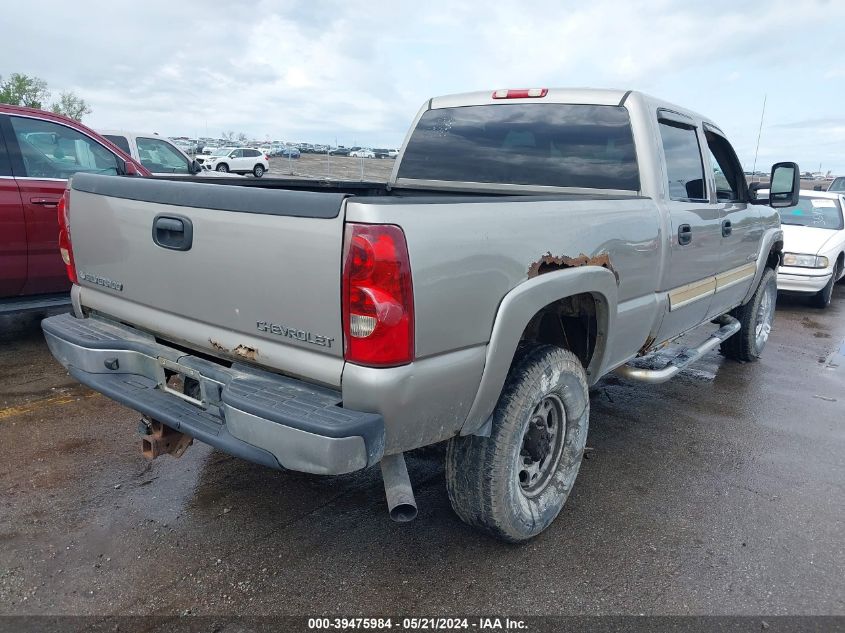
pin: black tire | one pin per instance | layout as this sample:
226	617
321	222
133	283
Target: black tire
488	478
755	318
258	171
822	298
223	167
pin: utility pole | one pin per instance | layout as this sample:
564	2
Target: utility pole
759	132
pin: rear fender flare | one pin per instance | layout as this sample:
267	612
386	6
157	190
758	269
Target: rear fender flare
516	310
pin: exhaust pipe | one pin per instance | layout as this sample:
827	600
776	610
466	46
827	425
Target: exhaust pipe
397	488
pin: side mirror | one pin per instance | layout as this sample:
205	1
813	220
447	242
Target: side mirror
194	168
785	185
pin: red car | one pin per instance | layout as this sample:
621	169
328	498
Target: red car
39	151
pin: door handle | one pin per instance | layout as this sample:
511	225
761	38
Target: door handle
684	234
173	232
45	202
727	229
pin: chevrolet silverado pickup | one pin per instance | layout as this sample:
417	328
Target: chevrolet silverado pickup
527	243
39	151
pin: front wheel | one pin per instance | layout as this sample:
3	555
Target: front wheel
822	298
755	318
258	171
514	483
222	167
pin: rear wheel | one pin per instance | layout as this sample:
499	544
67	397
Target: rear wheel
822	298
755	318
514	483
222	167
258	171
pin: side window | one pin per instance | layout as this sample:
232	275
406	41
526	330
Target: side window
52	150
236	153
727	171
160	157
683	162
121	141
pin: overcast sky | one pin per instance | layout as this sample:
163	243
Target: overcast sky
358	71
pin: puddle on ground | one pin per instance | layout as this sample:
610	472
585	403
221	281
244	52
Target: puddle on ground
836	358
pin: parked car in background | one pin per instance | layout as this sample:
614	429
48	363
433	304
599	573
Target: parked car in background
381	152
838	184
158	154
339	151
238	160
362	152
393	153
289	152
813	245
39	151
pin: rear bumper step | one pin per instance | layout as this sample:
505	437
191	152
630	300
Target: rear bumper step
269	419
730	326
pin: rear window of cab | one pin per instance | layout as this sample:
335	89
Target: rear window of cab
552	145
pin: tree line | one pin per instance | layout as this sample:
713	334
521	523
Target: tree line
32	92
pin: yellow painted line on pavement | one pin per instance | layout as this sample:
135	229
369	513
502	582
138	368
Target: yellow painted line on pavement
35	405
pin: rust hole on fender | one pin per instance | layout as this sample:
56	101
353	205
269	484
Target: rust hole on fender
549	263
217	346
250	353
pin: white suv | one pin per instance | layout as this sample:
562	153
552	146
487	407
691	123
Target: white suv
240	160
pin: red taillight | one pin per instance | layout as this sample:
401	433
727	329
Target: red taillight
266	157
65	245
378	298
528	93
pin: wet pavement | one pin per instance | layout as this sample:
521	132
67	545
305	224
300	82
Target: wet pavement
718	492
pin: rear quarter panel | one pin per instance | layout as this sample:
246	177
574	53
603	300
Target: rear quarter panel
465	257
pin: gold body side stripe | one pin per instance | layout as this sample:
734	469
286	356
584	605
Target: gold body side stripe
735	276
684	295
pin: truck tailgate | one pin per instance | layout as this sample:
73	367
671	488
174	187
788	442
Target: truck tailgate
248	274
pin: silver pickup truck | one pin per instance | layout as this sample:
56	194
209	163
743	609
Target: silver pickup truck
527	243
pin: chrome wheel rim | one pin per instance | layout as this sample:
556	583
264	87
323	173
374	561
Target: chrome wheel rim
765	316
542	445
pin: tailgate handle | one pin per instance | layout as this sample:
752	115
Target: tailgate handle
173	232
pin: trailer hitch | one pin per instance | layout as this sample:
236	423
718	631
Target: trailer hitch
159	439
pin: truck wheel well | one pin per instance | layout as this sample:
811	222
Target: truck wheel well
775	257
570	323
